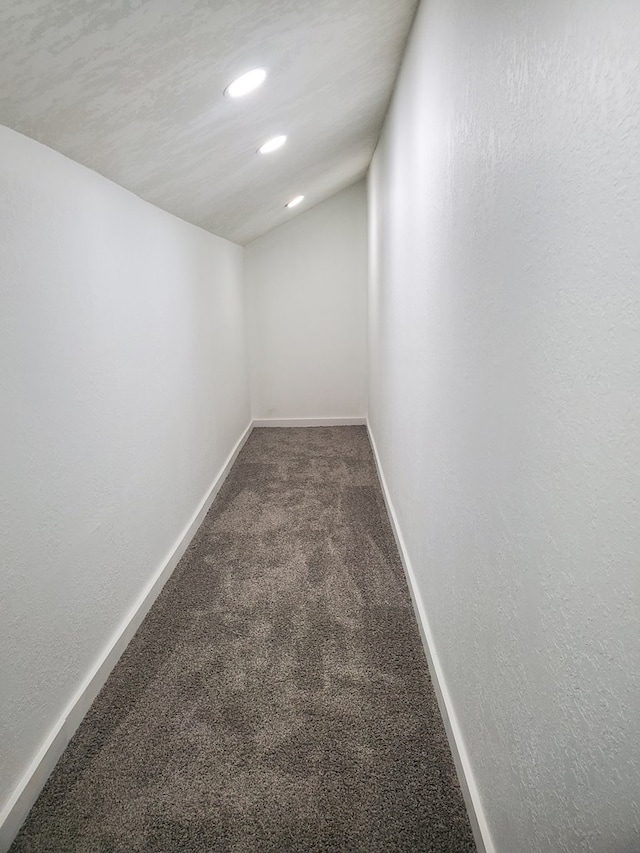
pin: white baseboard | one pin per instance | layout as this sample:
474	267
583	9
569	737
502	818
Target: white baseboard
308	422
459	752
28	789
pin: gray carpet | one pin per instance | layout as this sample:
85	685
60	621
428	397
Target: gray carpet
276	697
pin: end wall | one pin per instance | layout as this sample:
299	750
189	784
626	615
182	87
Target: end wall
124	388
504	396
307	296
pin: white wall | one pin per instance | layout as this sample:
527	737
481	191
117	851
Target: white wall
505	396
307	297
124	388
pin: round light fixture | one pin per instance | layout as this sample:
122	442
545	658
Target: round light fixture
295	201
246	83
272	144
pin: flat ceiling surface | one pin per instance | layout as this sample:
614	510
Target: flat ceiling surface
134	90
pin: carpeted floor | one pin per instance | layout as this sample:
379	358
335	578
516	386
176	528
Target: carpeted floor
276	697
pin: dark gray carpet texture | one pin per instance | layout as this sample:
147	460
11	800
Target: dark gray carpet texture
276	697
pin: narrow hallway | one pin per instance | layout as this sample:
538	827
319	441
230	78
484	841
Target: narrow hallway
276	697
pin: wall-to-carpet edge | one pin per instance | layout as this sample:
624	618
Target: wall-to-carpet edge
459	752
37	774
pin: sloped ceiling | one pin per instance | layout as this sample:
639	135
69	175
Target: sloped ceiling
134	90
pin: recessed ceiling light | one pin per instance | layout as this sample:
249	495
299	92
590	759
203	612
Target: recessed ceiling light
272	144
247	83
295	201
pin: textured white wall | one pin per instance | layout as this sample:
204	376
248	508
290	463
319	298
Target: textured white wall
307	306
505	396
124	387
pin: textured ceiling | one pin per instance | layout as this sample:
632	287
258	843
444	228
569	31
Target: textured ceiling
133	89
